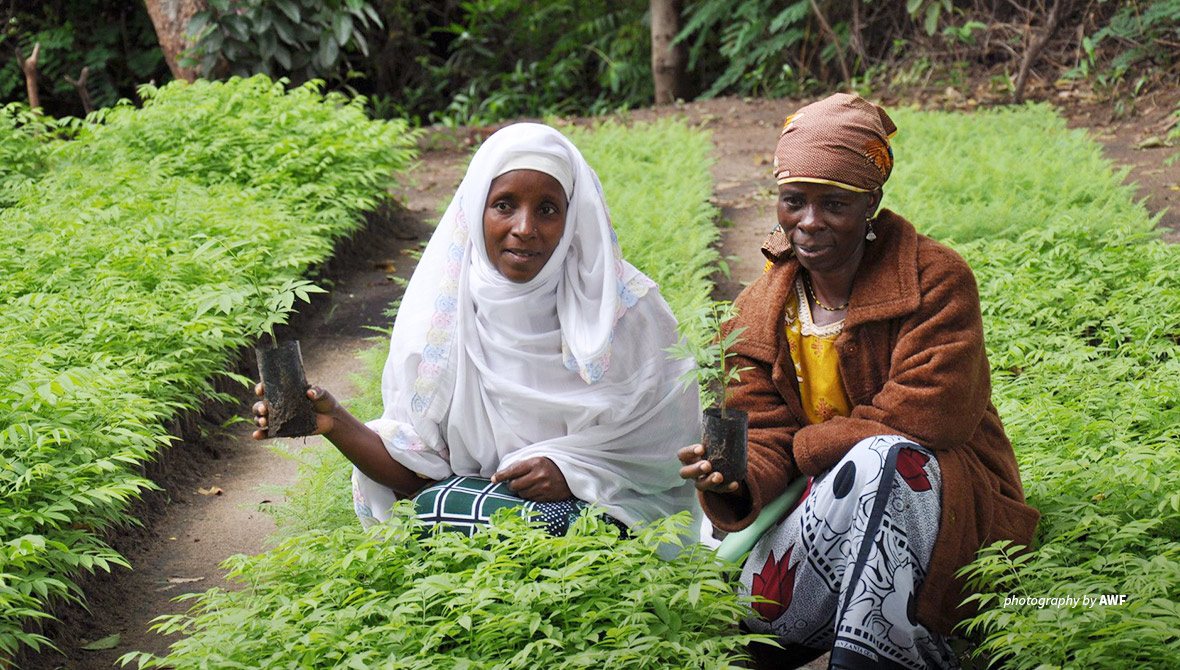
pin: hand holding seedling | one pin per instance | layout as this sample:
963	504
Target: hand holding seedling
700	470
324	403
355	440
536	479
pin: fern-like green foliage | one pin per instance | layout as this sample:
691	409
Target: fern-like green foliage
104	266
510	596
24	148
706	343
966	180
1081	316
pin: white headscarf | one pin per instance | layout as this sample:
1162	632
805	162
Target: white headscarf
484	372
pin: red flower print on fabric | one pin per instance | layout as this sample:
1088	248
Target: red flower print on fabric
817	347
824	409
776	582
909	466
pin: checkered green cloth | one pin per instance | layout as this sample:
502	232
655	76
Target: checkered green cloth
464	503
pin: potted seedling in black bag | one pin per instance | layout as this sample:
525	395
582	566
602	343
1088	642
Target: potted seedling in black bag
723	429
280	365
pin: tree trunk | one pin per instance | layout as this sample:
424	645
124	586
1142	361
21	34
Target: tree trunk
826	28
667	60
1036	45
170	18
29	67
83	92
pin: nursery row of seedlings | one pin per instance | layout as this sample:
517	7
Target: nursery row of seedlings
1082	320
133	248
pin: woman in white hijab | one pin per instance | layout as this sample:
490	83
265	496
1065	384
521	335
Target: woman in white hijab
527	364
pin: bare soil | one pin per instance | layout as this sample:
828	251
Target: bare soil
215	486
1140	142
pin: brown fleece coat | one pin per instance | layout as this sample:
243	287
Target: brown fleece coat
913	364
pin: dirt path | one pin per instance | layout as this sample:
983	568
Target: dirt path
1139	143
180	551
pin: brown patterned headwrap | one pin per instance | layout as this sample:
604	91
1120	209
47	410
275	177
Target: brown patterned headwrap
841	140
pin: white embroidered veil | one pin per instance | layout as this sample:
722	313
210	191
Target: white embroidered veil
483	372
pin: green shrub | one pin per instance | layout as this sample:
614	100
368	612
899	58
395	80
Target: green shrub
1082	321
308	150
555	58
104	261
24	149
302	39
507	597
757	41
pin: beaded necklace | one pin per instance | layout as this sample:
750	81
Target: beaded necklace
811	292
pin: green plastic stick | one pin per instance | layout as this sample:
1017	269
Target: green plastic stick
736	545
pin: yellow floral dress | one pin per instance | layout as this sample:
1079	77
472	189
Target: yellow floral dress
817	366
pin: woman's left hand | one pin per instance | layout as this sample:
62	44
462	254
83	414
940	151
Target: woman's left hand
536	479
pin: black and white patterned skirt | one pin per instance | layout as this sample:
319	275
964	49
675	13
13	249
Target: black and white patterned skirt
842	568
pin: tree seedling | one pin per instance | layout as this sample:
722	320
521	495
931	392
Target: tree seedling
723	428
280	365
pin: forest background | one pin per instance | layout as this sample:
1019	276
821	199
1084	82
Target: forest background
478	61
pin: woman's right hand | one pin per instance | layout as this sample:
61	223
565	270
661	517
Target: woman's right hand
322	402
700	470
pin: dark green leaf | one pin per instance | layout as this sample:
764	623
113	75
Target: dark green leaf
284	29
197	24
329	51
932	13
342	28
283	56
290	8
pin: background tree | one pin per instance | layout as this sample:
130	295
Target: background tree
668	57
171	19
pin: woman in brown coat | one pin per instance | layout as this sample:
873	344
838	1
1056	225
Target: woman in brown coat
867	374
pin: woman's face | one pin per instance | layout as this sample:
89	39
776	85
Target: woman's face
826	225
523	221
